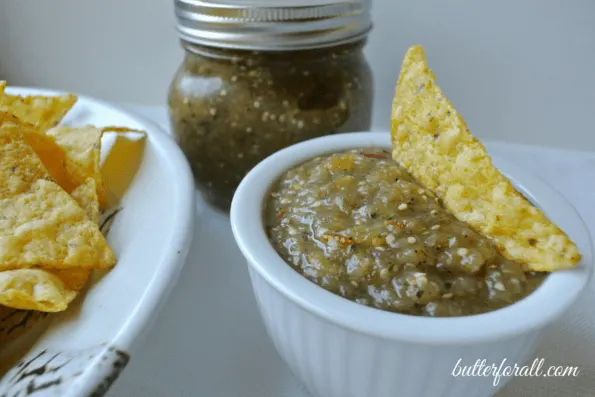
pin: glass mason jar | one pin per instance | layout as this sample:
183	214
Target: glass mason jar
235	101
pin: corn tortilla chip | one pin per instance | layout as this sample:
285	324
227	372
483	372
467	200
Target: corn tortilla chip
54	159
85	196
56	288
122	162
64	171
40	224
45	227
6	117
82	147
433	142
41	111
34	289
52	156
17	289
73	279
121	130
16	176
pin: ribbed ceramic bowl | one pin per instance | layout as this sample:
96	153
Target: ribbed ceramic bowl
342	349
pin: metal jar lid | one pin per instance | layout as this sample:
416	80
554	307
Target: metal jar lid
272	25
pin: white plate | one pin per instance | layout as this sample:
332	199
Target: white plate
82	351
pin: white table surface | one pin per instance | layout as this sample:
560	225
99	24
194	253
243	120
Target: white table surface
208	339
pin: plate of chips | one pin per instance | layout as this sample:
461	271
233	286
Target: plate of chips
96	215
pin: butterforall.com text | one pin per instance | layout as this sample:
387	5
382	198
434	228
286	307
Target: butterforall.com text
505	369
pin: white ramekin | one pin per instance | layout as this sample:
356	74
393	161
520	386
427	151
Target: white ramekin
339	348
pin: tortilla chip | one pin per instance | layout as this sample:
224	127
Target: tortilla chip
52	156
16	176
433	142
11	280
86	197
40	224
34	289
2	87
73	279
122	162
64	171
6	117
120	130
41	111
82	146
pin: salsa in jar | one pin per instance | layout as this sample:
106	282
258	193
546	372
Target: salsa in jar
232	104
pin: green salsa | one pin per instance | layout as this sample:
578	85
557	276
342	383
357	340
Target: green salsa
230	109
359	225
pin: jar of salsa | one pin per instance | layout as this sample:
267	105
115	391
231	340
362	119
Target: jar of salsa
260	77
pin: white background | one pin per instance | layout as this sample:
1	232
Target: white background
518	70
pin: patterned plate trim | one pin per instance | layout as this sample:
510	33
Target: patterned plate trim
65	373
